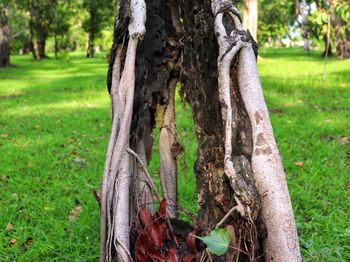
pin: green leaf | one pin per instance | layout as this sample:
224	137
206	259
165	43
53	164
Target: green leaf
217	241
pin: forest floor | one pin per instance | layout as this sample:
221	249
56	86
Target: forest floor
54	129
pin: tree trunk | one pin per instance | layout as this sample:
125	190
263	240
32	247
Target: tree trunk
343	48
341	35
4	39
41	42
30	40
240	178
90	49
56	20
40	27
327	46
304	12
250	17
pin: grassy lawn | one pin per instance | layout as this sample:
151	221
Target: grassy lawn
54	129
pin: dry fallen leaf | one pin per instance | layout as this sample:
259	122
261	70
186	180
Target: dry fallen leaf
13	242
4	135
9	227
37	126
74	213
343	140
299	164
70	140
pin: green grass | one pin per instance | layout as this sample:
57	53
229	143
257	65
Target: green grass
54	128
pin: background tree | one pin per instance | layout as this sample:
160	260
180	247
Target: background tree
42	14
99	14
275	20
330	22
65	12
340	19
303	9
4	36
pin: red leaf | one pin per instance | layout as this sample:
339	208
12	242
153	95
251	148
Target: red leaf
191	241
190	258
141	257
145	243
157	257
162	208
145	217
158	233
172	255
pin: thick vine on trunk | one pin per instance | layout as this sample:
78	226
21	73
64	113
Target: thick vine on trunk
239	173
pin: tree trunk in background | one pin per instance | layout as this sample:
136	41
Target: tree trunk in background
90	49
56	20
31	38
343	48
341	36
327	46
41	42
304	12
250	17
39	26
4	39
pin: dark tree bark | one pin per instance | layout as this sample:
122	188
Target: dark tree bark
236	145
92	26
4	39
216	196
30	40
327	46
90	48
56	29
41	16
41	43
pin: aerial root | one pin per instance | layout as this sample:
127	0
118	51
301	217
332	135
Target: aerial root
115	191
145	172
167	141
